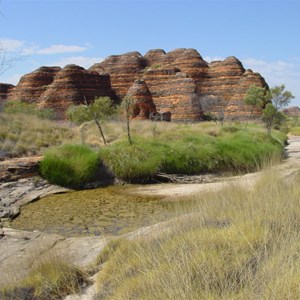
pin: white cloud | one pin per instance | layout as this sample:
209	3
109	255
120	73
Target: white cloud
82	61
56	49
13	79
53	49
24	48
278	72
210	59
10	44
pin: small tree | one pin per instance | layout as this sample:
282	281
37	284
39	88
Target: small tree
127	109
97	111
271	116
280	97
255	97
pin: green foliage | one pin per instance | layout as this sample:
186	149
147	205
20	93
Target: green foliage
295	130
136	162
98	111
255	96
69	165
186	152
271	116
17	106
280	97
20	107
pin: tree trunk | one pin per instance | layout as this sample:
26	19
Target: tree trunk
128	131
101	132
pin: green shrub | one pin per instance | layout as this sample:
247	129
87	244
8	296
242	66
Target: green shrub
184	151
69	165
246	151
20	107
137	162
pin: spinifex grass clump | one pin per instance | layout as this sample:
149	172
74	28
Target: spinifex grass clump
191	150
137	162
246	151
70	165
238	243
51	279
23	134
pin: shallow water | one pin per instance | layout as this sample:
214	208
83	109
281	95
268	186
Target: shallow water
103	211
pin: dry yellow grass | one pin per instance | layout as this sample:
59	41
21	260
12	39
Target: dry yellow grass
22	134
232	244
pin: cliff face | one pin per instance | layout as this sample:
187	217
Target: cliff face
179	81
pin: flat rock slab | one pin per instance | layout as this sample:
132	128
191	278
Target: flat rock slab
21	250
15	194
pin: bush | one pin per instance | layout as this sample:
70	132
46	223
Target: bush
184	152
20	107
69	165
133	163
246	151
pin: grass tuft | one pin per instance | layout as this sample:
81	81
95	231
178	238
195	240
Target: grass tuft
69	165
233	244
50	279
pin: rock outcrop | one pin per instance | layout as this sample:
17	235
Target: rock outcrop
179	81
5	90
72	85
32	85
143	102
173	91
293	111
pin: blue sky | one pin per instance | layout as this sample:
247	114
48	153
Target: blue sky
263	34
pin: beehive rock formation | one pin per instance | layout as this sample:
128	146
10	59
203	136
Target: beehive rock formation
5	90
293	111
143	103
32	85
74	85
179	81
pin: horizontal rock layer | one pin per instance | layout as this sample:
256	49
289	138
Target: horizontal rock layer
179	81
293	111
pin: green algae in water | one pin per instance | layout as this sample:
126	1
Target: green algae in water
103	211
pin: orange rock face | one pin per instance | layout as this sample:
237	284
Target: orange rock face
72	85
143	102
293	111
32	85
179	81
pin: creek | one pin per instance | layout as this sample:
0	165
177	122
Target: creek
103	211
